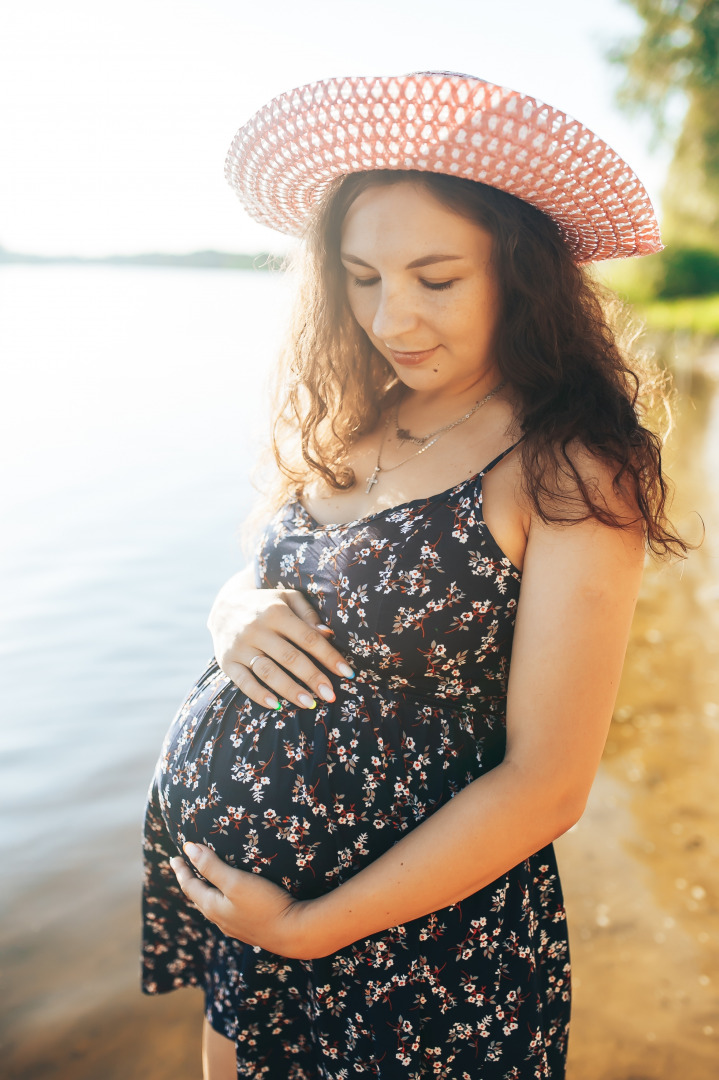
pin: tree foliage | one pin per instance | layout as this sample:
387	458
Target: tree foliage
677	56
678	50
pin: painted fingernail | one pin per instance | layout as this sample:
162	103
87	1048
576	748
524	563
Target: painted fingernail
191	850
346	670
326	691
306	701
324	628
272	703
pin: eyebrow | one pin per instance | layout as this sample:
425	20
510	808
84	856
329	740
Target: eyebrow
426	260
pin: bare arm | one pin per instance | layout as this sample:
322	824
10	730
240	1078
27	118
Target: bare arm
243	579
227	599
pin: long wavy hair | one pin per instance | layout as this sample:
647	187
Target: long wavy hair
553	344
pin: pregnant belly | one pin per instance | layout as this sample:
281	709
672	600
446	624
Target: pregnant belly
309	797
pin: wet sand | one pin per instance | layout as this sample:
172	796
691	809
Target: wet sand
640	871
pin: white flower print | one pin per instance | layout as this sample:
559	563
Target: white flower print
422	602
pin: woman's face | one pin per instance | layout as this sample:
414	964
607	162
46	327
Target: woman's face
421	285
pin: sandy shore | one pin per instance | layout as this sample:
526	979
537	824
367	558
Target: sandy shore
136	1039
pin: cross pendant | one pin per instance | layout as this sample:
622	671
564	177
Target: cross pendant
372	480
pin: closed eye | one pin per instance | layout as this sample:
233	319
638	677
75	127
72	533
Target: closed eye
437	286
434	286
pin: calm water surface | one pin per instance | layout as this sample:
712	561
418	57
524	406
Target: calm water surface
134	403
132	417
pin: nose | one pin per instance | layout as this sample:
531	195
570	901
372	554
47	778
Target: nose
394	316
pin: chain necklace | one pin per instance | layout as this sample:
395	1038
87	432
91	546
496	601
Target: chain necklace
433	437
404	435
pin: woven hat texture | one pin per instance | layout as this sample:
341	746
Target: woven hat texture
281	161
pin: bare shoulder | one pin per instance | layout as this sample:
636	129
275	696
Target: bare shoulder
568	523
583	470
587	555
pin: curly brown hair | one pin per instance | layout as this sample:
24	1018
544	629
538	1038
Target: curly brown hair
553	344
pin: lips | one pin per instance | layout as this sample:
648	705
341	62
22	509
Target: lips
412	358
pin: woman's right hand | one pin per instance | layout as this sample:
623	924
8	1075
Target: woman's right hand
283	629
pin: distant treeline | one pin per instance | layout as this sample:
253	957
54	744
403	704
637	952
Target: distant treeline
221	260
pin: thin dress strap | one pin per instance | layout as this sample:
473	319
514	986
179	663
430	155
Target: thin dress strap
496	461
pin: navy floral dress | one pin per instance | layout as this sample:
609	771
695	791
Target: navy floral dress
422	602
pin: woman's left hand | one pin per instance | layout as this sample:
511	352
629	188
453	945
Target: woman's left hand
246	906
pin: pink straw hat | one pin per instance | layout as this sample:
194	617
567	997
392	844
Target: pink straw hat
282	159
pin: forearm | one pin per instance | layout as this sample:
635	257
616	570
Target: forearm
227	596
491	825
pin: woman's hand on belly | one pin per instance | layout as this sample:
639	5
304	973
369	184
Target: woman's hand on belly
282	628
246	906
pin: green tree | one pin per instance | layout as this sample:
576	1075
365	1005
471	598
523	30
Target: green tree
675	61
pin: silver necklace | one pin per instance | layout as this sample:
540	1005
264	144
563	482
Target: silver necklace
433	437
404	435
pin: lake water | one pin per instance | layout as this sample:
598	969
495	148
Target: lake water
132	407
134	400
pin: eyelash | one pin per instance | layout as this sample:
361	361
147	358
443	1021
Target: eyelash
434	286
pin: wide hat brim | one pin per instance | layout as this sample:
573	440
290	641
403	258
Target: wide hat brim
283	159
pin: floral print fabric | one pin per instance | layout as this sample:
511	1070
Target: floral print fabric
422	602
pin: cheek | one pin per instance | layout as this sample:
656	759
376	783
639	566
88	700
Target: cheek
457	317
467	325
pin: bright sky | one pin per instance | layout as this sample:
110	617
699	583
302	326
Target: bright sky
115	118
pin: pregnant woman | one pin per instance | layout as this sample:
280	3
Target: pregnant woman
349	833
